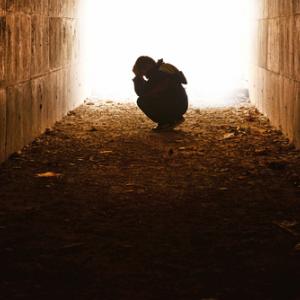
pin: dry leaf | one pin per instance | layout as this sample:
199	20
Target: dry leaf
48	175
106	152
228	135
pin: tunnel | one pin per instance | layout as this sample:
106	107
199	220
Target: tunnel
94	204
43	77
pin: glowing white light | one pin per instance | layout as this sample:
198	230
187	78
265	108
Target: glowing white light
207	40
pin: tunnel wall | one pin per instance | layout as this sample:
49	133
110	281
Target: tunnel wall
275	78
41	76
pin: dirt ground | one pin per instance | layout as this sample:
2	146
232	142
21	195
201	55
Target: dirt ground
101	207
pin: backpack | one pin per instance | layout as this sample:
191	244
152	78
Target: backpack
170	69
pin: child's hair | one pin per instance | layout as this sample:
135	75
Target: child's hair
144	61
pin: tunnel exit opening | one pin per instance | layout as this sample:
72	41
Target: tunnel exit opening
208	40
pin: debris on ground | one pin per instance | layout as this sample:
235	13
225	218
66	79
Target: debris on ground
48	174
210	210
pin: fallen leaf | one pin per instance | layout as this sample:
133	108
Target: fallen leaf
106	152
228	135
48	175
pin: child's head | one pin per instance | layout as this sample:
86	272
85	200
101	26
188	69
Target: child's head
143	64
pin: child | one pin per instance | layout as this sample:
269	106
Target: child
162	97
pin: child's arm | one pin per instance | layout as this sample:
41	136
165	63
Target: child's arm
139	85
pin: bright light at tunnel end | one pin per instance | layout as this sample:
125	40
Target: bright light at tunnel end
208	40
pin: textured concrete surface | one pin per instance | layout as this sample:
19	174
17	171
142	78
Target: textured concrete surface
275	80
40	61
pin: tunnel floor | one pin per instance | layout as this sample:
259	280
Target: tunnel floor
101	207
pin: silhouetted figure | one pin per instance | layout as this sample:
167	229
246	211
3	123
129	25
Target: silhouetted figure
162	97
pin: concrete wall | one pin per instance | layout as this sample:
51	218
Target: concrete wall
40	68
275	78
